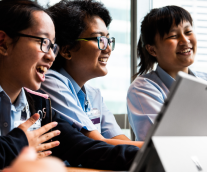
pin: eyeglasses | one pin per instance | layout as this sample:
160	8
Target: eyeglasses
102	41
46	44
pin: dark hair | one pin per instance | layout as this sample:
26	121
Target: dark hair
68	16
158	20
16	15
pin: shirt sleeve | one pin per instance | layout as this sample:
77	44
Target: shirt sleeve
11	145
144	101
65	101
109	126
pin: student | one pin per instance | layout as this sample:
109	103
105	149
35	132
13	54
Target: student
27	50
168	40
27	162
85	48
14	68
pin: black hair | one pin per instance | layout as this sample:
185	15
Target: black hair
158	20
16	15
68	16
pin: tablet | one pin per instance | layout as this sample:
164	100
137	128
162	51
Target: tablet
178	139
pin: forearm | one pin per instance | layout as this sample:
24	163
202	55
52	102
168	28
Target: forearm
11	145
121	137
121	142
114	141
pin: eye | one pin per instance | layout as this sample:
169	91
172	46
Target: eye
189	32
44	42
101	39
172	36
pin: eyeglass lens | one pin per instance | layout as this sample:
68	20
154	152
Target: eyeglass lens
46	44
103	43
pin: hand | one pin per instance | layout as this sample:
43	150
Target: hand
26	161
36	137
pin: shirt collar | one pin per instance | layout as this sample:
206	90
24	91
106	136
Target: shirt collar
21	101
75	85
1	89
190	72
165	77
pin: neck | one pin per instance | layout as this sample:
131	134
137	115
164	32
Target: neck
173	73
79	77
9	87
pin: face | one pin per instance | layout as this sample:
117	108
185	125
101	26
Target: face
176	51
26	64
89	60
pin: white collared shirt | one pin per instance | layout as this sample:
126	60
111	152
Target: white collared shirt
146	96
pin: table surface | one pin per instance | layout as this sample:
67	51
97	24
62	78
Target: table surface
78	169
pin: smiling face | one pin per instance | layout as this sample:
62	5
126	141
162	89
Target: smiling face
89	61
25	63
176	51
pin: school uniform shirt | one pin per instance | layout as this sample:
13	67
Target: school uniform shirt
74	147
84	107
11	115
146	96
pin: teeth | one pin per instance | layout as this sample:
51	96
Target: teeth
42	68
103	59
185	51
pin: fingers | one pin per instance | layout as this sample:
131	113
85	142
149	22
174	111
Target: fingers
47	146
48	136
43	154
28	123
45	128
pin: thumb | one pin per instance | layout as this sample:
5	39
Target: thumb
28	123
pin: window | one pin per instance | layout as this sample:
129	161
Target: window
115	84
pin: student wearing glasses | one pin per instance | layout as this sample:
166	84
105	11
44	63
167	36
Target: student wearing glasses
27	51
172	45
85	48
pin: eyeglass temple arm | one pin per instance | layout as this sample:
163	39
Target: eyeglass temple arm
86	39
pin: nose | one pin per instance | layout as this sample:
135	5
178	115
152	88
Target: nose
108	49
184	39
49	56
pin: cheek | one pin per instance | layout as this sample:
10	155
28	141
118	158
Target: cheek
170	47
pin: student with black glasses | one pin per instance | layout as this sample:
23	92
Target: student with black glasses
85	48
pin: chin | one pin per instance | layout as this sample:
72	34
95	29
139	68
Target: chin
104	73
34	86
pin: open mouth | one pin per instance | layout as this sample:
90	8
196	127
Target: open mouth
41	70
103	60
186	51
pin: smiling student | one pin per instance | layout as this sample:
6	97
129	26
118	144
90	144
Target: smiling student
27	50
19	58
85	48
172	45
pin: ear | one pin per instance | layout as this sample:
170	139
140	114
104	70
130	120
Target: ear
3	46
64	52
151	50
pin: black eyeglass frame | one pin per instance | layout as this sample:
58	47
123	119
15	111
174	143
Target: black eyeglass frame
98	38
42	40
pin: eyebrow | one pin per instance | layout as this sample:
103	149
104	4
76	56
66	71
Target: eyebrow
101	33
45	34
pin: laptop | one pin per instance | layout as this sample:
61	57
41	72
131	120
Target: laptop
178	139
